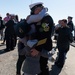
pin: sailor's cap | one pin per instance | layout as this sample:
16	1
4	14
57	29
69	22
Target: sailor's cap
70	17
35	4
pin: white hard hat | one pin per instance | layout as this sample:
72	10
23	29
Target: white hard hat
35	4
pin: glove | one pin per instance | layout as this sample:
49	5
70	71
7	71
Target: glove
31	43
53	51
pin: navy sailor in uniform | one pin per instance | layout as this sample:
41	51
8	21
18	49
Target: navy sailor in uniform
43	31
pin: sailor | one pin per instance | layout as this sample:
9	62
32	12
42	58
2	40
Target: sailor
43	31
70	23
